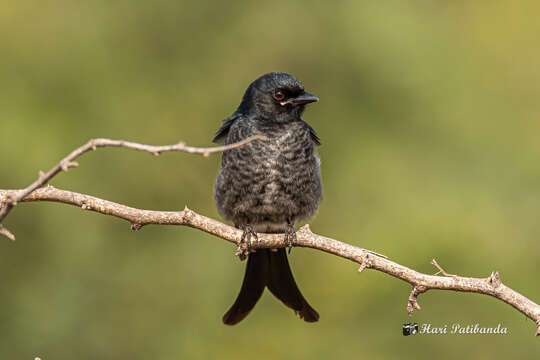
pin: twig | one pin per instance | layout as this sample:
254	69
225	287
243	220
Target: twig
441	270
412	303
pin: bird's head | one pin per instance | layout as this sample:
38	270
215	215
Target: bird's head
277	97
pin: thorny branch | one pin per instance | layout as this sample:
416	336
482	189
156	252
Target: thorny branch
367	259
11	199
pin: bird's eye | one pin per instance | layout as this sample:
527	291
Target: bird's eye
279	95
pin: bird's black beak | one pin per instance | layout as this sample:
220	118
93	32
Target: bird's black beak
305	98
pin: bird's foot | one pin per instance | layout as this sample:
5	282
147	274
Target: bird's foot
244	247
290	236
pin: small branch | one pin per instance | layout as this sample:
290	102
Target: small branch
412	303
8	202
441	270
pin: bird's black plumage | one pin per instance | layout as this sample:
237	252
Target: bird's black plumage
267	185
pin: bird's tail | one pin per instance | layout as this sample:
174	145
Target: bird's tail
269	268
281	283
252	287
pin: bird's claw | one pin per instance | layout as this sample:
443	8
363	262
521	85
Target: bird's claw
290	236
244	247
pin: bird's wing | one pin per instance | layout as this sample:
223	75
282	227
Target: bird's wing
313	135
221	134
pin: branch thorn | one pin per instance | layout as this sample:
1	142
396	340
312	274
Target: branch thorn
135	226
66	165
366	263
5	232
93	144
494	279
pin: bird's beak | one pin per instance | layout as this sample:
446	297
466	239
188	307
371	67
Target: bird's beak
305	98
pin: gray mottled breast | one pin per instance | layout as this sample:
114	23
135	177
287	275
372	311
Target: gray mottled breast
267	183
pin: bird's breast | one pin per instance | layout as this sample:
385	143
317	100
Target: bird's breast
270	181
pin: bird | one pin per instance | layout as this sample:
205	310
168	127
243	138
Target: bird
268	185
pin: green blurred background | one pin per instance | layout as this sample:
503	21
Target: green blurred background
429	118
